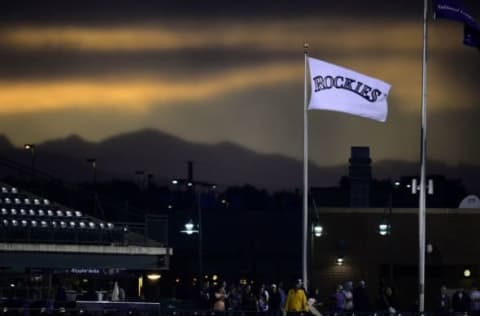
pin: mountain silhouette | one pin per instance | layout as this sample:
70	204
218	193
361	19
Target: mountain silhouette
225	164
166	157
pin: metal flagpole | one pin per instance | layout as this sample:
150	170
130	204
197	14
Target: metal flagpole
423	153
305	173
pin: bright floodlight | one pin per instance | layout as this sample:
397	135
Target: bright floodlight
340	261
174	181
317	230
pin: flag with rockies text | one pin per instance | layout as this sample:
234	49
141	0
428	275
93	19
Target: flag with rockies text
340	89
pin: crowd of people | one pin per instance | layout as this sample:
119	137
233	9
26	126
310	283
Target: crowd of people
274	300
264	299
347	299
460	301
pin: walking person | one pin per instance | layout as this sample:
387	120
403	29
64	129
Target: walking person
275	305
296	303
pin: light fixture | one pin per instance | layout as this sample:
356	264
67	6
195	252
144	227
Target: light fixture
174	181
467	273
384	228
429	248
318	230
153	276
189	228
214	277
340	261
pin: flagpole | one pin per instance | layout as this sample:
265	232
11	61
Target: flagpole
423	153
305	172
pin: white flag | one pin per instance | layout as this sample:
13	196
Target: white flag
343	90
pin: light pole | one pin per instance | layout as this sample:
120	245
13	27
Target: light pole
142	176
385	227
189	226
93	163
31	148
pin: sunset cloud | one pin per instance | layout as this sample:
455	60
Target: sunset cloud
329	34
136	94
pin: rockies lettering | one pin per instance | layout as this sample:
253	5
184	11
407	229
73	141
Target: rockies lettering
339	82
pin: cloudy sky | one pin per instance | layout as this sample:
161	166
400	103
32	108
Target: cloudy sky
214	71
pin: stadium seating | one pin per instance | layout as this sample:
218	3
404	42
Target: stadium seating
25	217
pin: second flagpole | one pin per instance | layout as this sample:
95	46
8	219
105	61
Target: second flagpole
423	153
305	172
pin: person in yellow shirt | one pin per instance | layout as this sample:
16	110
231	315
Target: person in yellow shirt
296	303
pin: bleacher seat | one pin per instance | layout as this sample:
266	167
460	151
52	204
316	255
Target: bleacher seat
25	217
